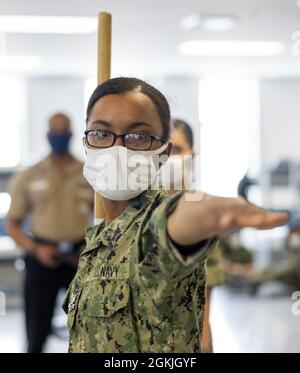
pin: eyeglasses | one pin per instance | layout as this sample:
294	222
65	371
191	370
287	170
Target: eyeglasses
133	141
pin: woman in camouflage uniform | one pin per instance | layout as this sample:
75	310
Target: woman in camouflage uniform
140	284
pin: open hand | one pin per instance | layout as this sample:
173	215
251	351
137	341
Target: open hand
47	255
210	216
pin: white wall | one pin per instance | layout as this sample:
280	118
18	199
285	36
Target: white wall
182	92
280	119
46	96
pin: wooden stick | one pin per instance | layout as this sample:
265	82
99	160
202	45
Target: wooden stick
104	46
103	74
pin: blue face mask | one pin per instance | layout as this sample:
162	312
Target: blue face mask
59	142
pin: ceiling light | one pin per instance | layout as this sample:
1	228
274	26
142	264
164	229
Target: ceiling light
218	23
189	22
47	24
224	48
208	22
20	62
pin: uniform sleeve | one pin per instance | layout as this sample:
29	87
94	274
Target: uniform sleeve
160	255
215	274
19	206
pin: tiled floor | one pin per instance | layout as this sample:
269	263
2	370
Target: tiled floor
240	323
264	323
12	337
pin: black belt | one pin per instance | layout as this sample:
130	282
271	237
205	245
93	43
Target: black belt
64	247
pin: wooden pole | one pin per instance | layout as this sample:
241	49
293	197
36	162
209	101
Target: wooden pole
104	46
103	74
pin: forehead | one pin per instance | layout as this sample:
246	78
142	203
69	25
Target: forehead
59	122
124	108
178	137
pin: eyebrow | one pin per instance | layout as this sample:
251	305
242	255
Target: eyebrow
131	126
100	121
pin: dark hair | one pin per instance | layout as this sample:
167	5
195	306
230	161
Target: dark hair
123	85
181	125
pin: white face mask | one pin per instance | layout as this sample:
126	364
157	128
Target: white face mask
177	173
120	174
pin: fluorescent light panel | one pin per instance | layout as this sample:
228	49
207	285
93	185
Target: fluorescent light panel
224	48
208	22
189	22
218	23
47	24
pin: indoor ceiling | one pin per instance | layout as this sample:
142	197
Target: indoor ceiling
146	35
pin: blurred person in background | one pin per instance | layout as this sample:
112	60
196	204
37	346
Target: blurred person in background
244	185
182	139
58	201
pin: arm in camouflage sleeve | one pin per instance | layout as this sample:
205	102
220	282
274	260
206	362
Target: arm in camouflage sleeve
161	256
199	216
181	221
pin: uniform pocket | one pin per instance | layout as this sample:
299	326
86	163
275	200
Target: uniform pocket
40	198
107	316
107	297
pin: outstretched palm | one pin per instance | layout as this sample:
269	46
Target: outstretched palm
209	216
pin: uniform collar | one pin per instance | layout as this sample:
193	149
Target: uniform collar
108	234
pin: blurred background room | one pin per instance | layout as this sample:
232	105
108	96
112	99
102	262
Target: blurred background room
231	70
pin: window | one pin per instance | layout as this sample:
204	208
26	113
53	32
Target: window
229	143
5	200
11	115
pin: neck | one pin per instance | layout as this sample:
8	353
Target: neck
61	160
113	209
